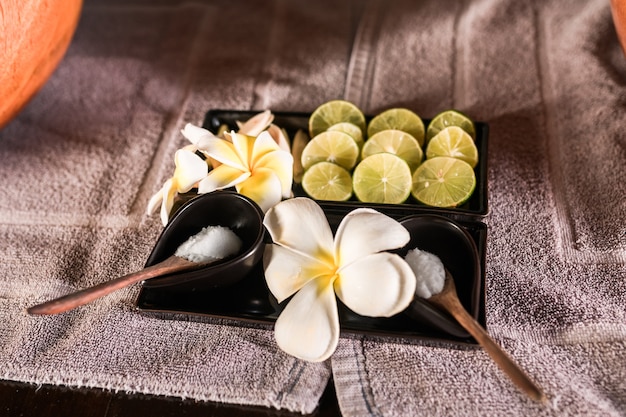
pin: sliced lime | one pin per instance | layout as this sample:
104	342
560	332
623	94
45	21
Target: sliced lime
443	182
336	147
399	119
453	142
382	178
450	118
333	112
351	129
327	181
396	142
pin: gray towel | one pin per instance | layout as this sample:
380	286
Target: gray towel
549	79
81	161
78	167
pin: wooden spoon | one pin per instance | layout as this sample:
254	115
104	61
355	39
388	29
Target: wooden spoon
70	301
448	300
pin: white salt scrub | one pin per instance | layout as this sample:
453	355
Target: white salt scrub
211	244
428	270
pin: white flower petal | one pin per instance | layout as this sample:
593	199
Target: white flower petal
287	271
378	285
190	169
256	124
243	146
205	141
365	231
190	148
263	144
281	163
196	134
224	152
308	327
155	201
169	193
263	187
280	136
300	224
221	177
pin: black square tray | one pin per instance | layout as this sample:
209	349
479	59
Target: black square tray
250	302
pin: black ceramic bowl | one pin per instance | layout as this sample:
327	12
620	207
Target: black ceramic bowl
221	208
457	250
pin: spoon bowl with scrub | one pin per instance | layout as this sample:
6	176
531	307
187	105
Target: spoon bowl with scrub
456	247
220	208
436	285
213	241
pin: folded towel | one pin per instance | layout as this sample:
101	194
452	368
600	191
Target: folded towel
549	80
79	166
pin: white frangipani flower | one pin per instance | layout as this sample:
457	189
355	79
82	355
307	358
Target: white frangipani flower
306	261
256	161
190	169
256	167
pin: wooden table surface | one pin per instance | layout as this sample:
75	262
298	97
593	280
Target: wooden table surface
26	400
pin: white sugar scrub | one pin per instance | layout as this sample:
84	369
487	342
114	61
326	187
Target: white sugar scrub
429	272
211	244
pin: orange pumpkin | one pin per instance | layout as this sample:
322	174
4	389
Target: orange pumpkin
34	35
618	10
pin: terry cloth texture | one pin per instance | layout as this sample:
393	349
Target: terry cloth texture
81	161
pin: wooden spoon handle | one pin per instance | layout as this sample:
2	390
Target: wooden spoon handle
499	356
82	297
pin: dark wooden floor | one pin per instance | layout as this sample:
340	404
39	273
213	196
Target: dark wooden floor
25	400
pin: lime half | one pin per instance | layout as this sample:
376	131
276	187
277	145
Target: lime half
443	182
450	118
351	129
396	142
327	181
399	119
453	142
336	147
333	112
382	178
